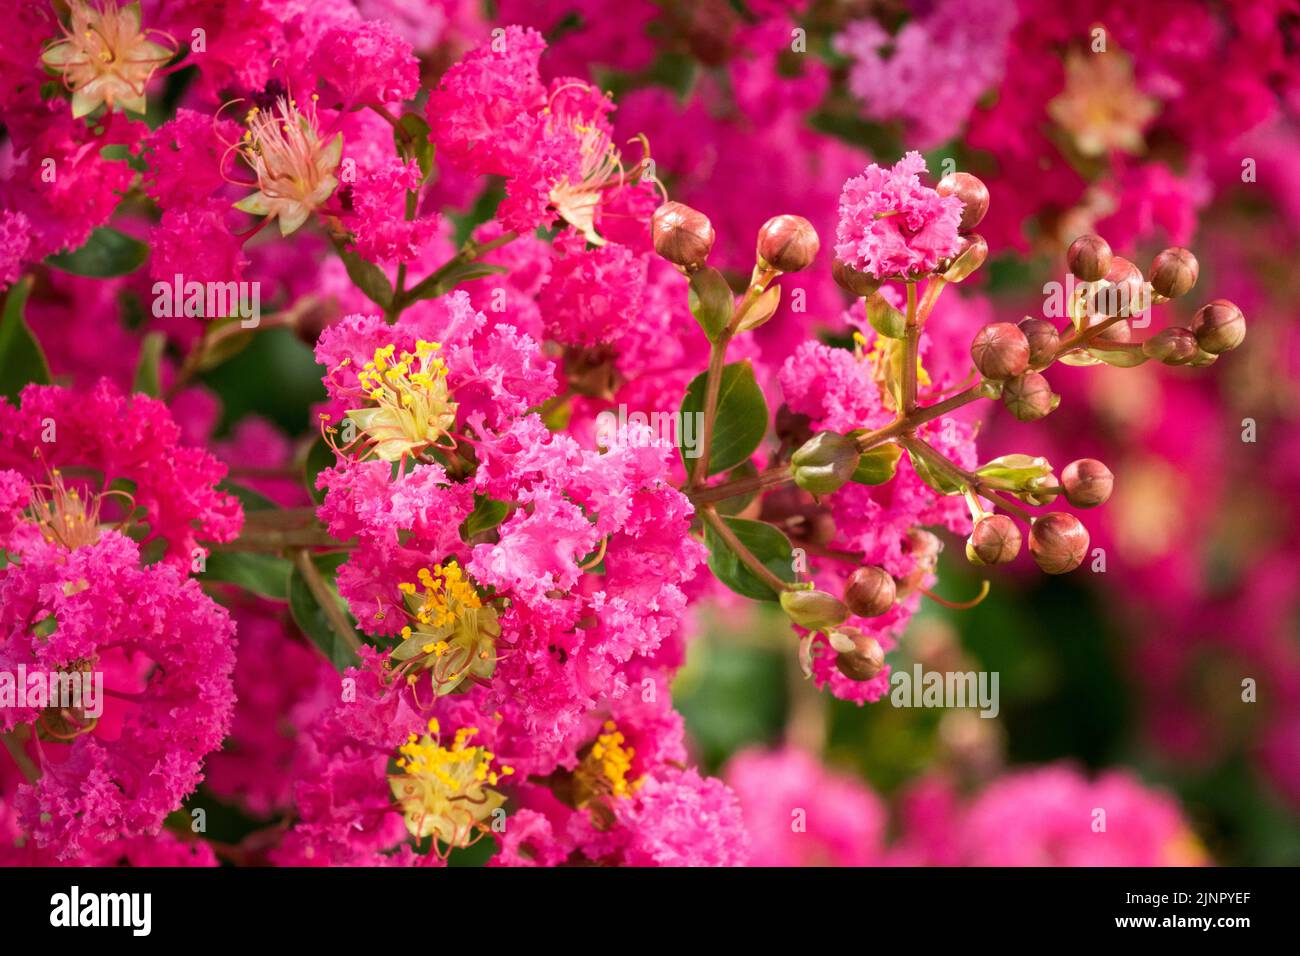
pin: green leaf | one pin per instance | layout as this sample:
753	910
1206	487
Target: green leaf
310	616
765	542
884	318
319	457
943	482
261	574
734	506
21	360
147	377
250	499
487	514
416	145
877	465
108	252
457	274
741	421
1120	358
367	277
711	301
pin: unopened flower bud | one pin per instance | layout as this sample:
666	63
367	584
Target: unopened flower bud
1202	359
788	243
971	253
870	591
1122	293
1089	258
1000	350
1029	397
825	462
995	540
1043	339
924	548
1087	483
973	194
1174	272
1172	346
1058	542
1219	327
682	235
813	609
864	662
860	284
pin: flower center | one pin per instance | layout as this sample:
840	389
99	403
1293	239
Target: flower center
452	634
105	58
445	792
606	769
295	168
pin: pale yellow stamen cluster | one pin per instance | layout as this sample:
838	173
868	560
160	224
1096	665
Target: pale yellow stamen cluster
606	769
295	168
599	168
412	404
452	633
64	515
106	58
445	791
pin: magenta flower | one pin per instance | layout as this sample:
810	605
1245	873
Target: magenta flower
890	224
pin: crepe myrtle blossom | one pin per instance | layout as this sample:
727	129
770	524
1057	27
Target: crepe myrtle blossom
76	597
106	58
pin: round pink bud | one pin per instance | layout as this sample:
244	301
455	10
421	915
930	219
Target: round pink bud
1043	339
1219	327
1000	350
1089	258
1087	483
972	192
682	235
1174	272
870	591
1029	397
864	662
1123	293
852	281
995	540
1173	346
1058	542
788	243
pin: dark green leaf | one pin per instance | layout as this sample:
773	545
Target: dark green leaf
319	457
415	143
487	513
367	277
21	360
740	424
765	542
250	499
261	574
734	506
108	252
454	276
310	616
944	482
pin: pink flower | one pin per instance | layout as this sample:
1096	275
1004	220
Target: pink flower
164	651
891	225
800	813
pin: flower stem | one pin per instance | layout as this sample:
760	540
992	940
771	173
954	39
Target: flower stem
760	570
333	613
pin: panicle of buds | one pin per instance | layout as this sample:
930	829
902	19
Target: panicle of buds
788	243
1058	542
1174	272
973	194
1089	258
994	540
1219	327
1087	483
682	235
1000	350
1029	397
870	591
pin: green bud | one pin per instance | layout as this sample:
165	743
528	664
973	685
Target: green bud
825	462
814	609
